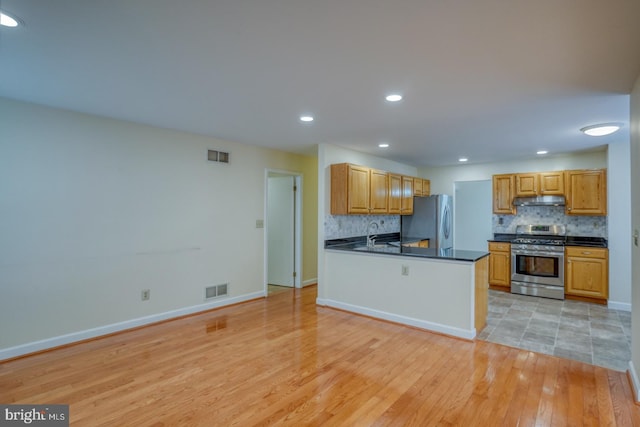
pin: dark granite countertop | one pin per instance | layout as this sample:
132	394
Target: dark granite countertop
392	245
587	241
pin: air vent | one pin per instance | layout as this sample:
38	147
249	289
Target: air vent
216	291
217	156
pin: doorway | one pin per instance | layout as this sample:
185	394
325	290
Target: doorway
472	215
283	242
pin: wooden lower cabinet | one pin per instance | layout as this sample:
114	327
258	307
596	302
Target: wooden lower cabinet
500	265
587	273
417	244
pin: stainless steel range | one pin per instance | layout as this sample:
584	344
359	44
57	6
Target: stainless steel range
537	261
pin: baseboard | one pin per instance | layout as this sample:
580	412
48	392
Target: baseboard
635	384
310	282
622	306
468	334
36	346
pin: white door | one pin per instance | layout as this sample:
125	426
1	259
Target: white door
473	212
280	231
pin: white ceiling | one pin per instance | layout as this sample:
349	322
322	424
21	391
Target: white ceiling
488	79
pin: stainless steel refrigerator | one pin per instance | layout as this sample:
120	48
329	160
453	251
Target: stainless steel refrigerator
432	219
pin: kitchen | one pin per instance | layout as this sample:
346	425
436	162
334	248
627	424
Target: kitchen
442	180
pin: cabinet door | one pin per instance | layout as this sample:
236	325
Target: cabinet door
359	185
551	183
379	192
526	184
500	266
503	189
407	195
586	192
426	187
586	272
395	194
417	186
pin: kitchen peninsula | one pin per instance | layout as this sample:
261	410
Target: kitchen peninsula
441	290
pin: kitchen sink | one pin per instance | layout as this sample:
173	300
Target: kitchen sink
388	245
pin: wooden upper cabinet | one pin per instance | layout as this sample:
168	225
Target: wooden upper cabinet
540	184
417	186
526	184
378	192
421	187
350	186
395	194
362	190
586	192
407	196
551	183
503	191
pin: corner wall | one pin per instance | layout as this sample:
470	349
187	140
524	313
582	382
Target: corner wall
635	249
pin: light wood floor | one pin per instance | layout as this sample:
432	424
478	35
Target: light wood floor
284	361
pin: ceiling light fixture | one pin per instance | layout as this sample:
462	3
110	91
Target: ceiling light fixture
383	145
601	129
7	20
306	119
394	97
541	152
463	159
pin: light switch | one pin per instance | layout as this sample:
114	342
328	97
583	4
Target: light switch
259	223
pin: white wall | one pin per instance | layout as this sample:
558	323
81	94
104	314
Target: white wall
635	221
94	210
619	225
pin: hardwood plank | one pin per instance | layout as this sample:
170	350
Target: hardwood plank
285	361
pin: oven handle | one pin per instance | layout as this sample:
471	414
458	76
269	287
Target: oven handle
538	253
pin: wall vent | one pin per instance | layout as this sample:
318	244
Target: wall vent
217	156
216	291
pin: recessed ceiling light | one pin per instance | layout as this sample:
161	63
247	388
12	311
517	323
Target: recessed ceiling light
383	145
463	159
8	20
601	129
306	119
542	152
394	97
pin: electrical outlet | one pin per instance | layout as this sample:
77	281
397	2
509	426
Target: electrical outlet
405	270
145	295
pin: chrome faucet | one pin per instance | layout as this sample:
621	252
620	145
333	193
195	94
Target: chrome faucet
371	238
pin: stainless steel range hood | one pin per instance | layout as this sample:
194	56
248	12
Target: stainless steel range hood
539	201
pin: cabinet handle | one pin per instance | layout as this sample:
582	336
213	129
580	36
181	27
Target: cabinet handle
586	253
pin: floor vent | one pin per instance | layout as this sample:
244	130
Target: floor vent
216	291
217	156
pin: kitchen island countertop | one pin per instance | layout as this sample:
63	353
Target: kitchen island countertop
393	246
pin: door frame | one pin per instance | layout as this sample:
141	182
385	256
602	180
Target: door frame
297	234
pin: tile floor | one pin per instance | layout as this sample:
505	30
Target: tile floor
590	333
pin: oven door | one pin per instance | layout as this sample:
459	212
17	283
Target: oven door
545	268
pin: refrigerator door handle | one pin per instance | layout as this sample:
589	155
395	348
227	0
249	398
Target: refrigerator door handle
446	223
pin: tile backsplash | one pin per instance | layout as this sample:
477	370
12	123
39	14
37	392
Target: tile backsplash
577	225
341	226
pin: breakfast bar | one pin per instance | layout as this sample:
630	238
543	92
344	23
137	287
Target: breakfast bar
441	290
